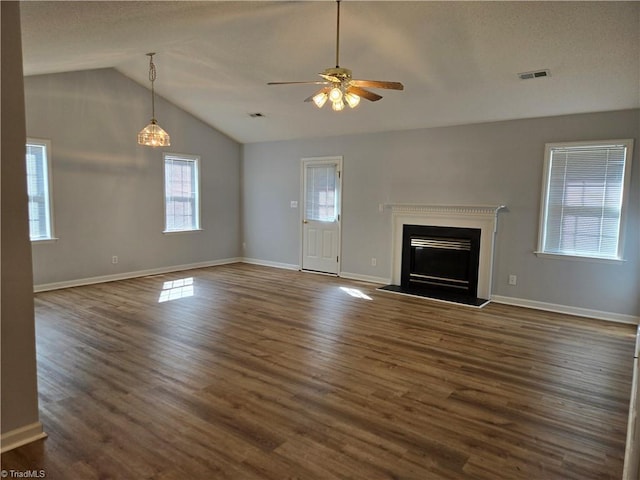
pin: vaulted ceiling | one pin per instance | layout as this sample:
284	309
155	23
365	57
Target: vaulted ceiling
458	60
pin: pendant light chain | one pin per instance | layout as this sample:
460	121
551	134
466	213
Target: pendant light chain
152	78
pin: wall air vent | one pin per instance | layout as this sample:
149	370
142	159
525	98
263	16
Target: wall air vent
534	74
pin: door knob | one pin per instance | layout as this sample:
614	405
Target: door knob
304	221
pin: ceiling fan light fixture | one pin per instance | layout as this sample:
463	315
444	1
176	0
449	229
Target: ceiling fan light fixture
338	105
340	86
153	134
335	94
352	100
320	99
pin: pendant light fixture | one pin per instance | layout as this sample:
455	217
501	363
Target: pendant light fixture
153	135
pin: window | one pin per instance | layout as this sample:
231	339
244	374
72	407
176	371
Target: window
321	192
39	189
583	198
181	193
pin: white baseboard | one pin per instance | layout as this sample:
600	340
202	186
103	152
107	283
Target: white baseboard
126	275
289	266
365	278
267	263
21	436
580	312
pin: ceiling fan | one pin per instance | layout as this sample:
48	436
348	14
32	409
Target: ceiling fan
340	86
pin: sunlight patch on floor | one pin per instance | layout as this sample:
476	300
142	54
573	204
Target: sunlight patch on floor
176	289
354	292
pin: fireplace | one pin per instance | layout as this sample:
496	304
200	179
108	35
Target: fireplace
440	259
447	222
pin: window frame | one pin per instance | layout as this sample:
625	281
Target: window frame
46	143
196	161
626	184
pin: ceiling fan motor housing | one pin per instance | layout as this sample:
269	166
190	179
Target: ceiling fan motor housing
341	74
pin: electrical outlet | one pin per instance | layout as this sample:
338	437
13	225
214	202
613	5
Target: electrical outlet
513	280
294	204
374	261
114	259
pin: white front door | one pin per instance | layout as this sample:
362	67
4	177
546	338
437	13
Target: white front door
321	180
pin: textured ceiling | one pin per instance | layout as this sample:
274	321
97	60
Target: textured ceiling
457	60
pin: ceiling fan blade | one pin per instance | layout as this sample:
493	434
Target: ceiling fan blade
322	90
377	84
361	92
298	83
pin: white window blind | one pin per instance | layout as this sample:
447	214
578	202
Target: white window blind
321	202
182	202
38	190
583	199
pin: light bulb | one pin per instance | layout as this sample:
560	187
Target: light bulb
352	99
320	99
335	94
337	105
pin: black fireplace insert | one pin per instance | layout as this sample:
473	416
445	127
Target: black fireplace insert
440	259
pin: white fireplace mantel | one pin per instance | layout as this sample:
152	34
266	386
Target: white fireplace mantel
483	217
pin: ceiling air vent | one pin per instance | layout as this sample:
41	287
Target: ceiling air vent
534	74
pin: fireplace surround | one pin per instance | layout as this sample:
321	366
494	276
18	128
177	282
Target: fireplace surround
481	219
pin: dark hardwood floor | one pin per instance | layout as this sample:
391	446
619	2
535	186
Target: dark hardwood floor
257	373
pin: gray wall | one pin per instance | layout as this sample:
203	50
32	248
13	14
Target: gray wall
108	191
483	164
19	394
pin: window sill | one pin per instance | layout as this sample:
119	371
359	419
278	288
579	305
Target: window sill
44	240
173	232
615	261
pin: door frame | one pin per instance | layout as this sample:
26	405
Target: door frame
337	159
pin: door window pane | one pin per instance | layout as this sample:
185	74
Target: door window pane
321	204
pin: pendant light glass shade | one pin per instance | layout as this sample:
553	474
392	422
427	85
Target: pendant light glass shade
153	134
